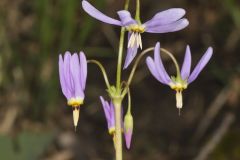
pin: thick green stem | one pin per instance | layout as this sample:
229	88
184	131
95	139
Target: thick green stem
118	128
117	101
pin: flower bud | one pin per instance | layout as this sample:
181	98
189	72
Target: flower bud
128	129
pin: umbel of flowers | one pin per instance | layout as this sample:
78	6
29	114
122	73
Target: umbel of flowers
73	68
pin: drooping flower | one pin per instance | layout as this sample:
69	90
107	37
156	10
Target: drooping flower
109	112
166	21
184	78
73	75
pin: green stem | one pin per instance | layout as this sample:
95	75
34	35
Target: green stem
126	5
137	15
119	64
120	53
129	102
138	60
118	132
117	101
136	64
103	71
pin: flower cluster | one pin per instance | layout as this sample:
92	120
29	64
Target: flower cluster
73	68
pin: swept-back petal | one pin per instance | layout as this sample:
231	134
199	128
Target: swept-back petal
166	17
152	68
112	113
131	53
201	64
106	109
159	65
83	70
75	71
65	90
186	67
171	27
67	73
126	18
92	11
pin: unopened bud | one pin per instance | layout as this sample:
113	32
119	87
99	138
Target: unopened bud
128	129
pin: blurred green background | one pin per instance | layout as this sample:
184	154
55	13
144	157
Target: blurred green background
36	123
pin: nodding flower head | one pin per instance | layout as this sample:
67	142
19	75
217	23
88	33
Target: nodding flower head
109	112
166	21
73	74
184	78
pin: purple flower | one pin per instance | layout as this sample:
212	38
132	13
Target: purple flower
183	79
73	74
166	21
109	112
127	126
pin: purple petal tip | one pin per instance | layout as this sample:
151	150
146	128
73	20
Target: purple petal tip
128	139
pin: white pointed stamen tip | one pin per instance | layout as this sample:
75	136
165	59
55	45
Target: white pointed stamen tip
131	40
76	112
134	40
140	40
179	99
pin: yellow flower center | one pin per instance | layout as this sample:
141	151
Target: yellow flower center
178	86
135	39
136	28
75	102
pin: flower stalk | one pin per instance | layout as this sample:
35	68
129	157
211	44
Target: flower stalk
103	71
120	56
118	132
118	101
137	15
142	54
173	59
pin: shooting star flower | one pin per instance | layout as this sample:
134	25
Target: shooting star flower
73	75
109	112
183	79
166	21
127	125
